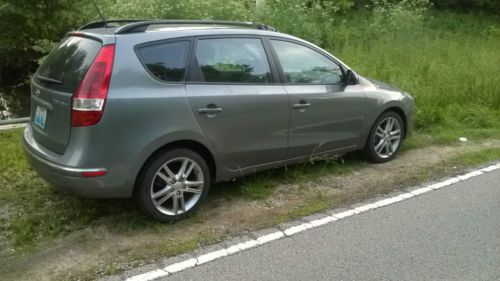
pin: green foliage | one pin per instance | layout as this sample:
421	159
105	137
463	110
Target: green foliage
26	24
488	6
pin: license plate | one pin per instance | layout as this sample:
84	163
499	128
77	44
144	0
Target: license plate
40	116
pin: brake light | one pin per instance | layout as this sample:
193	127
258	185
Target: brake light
90	98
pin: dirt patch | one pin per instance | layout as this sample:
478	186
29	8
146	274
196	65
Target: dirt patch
97	249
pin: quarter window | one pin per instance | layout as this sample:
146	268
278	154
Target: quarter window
233	60
303	65
166	61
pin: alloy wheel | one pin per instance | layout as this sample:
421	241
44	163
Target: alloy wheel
387	137
177	186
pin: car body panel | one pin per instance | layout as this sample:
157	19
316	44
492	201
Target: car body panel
241	134
333	120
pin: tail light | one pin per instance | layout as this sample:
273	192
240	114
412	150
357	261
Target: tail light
90	98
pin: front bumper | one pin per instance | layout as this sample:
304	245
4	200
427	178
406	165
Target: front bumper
65	178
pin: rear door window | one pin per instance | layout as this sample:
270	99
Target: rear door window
67	64
166	61
233	60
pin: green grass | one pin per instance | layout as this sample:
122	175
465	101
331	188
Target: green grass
39	212
474	158
449	62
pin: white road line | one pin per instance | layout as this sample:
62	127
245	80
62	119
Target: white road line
267	238
149	275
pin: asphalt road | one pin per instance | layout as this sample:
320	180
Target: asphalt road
449	234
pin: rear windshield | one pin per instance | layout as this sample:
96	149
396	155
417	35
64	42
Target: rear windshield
67	64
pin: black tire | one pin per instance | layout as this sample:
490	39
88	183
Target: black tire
369	149
146	188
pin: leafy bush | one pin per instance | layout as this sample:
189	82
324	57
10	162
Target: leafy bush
489	6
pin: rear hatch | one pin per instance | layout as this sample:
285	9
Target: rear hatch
53	86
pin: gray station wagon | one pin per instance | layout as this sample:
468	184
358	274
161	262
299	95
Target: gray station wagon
158	110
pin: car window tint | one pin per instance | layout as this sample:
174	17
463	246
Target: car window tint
166	61
233	60
303	65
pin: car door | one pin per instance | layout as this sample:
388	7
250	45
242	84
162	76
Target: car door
238	102
326	114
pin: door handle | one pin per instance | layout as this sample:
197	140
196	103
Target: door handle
301	105
210	110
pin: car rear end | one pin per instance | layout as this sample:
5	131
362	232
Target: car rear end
68	100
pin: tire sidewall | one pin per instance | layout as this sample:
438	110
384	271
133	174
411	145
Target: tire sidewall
142	195
370	147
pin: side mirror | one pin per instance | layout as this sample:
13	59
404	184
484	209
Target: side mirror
351	77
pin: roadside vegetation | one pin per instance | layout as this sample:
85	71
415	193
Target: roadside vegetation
448	60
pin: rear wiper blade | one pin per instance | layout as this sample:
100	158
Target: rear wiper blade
50	80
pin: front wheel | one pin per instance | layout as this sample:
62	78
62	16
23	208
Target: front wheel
385	138
173	185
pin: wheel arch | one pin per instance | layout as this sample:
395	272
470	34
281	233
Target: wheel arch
401	114
390	107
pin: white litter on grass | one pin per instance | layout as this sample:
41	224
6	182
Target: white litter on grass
218	254
462	139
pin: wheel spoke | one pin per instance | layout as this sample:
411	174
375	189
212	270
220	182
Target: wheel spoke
182	169
389	124
192	190
193	183
380	130
380	146
394	137
183	204
162	192
165	198
388	148
169	172
175	205
163	177
189	170
396	132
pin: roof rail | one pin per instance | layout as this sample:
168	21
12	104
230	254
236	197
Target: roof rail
141	26
101	24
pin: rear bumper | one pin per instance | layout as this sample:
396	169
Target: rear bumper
65	178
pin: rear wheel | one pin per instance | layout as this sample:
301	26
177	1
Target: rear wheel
173	185
385	138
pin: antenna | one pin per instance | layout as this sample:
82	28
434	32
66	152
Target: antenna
100	14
